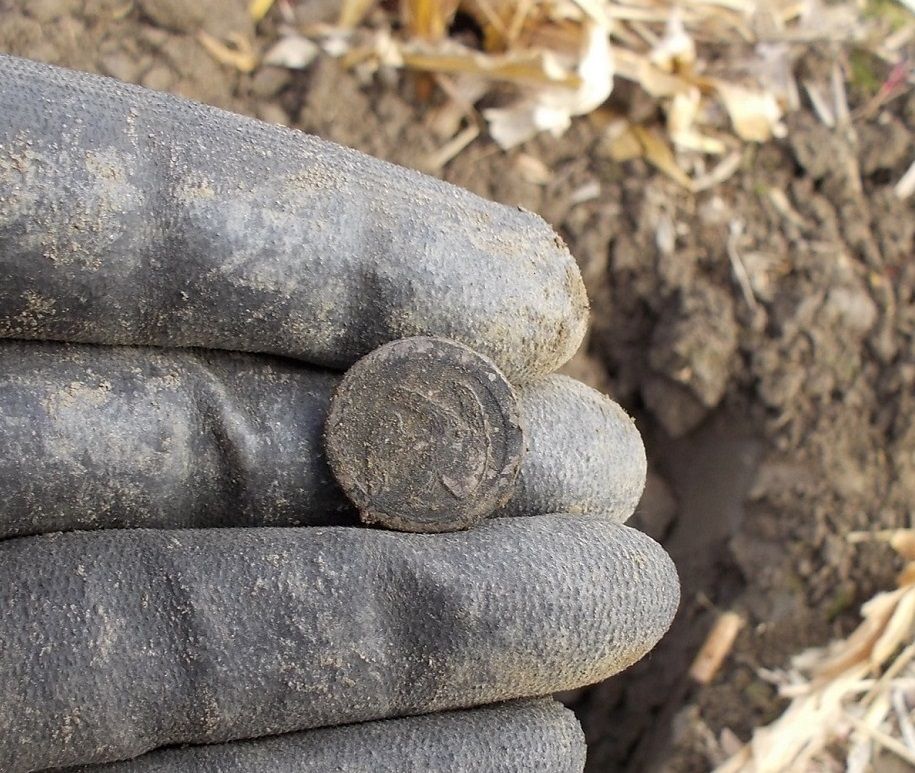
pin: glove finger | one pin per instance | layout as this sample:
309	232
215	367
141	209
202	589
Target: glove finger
117	642
118	437
133	217
584	453
539	736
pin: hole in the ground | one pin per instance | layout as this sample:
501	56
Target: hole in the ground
708	473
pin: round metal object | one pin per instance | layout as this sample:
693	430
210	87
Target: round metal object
424	434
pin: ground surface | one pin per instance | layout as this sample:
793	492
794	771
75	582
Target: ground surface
776	420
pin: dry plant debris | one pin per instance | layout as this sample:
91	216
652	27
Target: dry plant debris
852	700
716	647
720	72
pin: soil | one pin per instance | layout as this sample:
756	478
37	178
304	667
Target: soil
777	412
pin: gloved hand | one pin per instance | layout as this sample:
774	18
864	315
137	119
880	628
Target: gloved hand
154	619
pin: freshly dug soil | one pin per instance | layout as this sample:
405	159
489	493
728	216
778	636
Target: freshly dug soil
779	414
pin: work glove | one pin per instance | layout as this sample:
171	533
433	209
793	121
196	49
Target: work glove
180	291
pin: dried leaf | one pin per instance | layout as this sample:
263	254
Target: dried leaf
659	154
241	56
906	185
352	12
584	193
727	167
903	542
676	51
525	119
293	52
533	68
886	741
625	141
494	19
683	111
785	209
797	734
551	108
857	648
532	169
622	143
596	11
755	115
681	117
427	19
901	710
907	575
898	630
258	9
773	69
659	84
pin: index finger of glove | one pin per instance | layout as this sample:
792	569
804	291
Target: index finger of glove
133	217
153	638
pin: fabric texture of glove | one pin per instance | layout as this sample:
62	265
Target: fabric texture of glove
543	738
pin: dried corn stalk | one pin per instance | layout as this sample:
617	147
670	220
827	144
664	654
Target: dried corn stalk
859	693
541	62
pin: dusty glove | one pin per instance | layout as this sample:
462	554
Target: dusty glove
136	219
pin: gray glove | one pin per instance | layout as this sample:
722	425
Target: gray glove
135	219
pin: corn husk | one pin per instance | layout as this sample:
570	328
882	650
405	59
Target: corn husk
541	63
237	52
551	108
843	696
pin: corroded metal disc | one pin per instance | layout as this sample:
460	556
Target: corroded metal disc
424	434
